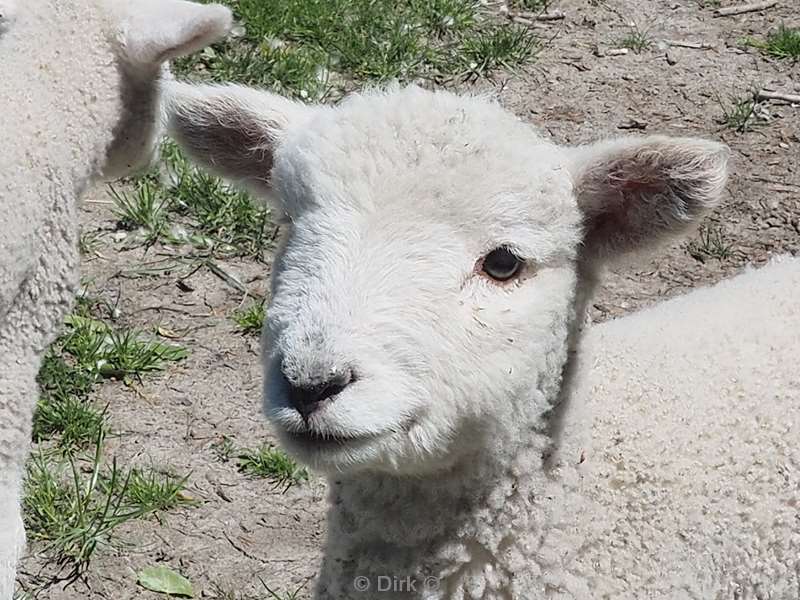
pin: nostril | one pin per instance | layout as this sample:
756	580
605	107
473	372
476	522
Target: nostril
308	398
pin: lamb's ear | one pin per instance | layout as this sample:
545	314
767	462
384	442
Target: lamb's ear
152	32
637	192
230	129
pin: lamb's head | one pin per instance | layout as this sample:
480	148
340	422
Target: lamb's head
433	244
144	36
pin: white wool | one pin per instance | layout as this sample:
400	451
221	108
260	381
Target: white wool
440	427
79	99
692	476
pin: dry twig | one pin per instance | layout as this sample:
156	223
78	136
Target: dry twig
528	18
765	95
692	45
744	8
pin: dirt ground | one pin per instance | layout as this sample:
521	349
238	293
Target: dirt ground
245	529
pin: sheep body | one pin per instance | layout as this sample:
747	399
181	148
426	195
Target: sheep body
693	471
79	100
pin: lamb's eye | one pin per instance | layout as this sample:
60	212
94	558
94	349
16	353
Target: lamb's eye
501	264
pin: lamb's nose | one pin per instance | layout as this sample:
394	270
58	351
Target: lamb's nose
307	398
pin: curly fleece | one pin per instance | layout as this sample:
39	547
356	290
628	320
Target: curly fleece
692	483
78	100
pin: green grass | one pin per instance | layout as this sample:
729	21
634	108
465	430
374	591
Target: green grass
73	506
783	43
250	320
638	39
223	221
224	449
271	463
68	509
63	410
89	244
143	207
305	47
739	112
89	351
235	223
104	351
710	244
73	421
504	47
151	491
74	502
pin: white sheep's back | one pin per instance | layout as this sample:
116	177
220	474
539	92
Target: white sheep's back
58	105
57	65
695	455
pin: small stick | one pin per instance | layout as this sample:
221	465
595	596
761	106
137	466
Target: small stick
230	279
556	15
523	16
744	8
765	95
692	45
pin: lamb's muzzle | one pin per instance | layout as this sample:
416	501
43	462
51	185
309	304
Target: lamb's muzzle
306	398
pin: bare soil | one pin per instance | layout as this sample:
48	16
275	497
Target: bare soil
244	529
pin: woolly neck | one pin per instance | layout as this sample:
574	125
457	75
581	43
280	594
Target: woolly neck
478	530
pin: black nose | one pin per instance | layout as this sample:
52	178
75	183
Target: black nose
305	399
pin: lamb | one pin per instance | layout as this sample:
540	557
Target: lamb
80	99
422	347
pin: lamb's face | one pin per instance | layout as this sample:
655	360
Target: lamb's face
427	273
425	285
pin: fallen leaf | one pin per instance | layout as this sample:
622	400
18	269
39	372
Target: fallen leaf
165	581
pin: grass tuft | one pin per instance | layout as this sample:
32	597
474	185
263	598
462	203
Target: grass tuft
504	47
73	420
151	491
230	219
69	511
710	244
74	506
63	408
250	320
224	449
738	113
106	352
273	464
783	43
145	207
637	39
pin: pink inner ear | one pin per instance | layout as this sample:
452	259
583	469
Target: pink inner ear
641	186
618	220
632	176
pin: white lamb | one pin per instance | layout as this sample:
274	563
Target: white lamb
79	98
417	349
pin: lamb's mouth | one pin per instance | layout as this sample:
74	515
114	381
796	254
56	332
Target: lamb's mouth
316	441
319	440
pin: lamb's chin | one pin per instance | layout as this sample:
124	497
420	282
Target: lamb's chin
331	454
